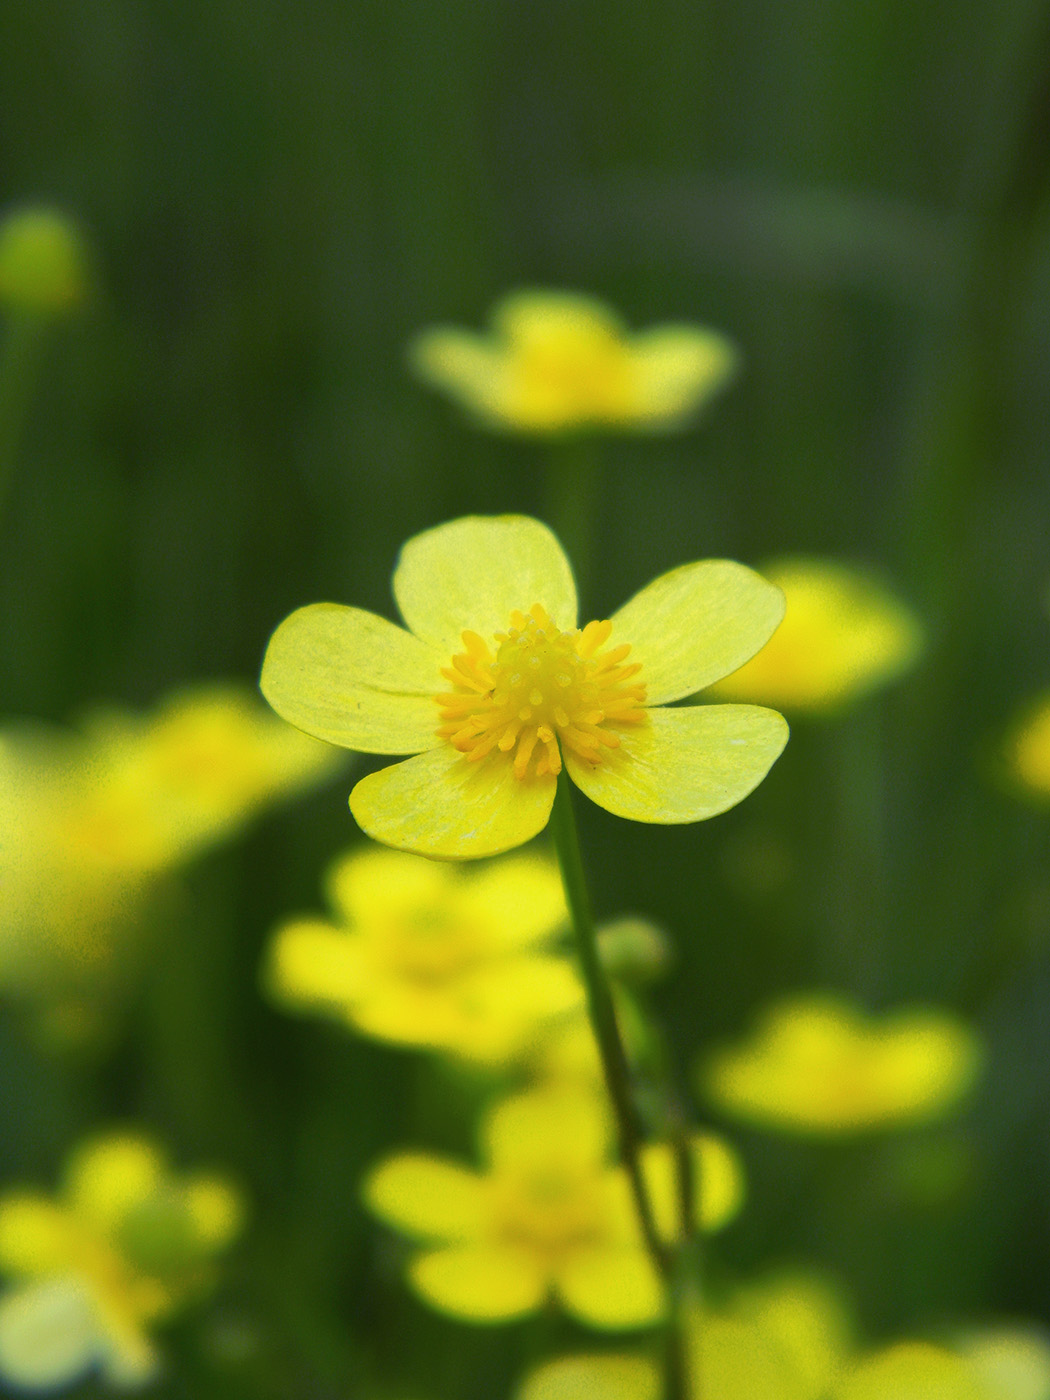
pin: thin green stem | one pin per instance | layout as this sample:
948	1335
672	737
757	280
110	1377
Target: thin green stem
20	350
573	483
603	1017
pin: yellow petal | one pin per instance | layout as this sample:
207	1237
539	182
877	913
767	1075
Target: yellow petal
612	1286
312	964
561	1127
374	887
216	1209
441	805
49	1334
471	574
678	369
108	1177
36	1236
354	679
911	1371
696	624
480	1283
464	365
718	1181
1013	1363
682	765
537	315
593	1378
427	1197
520	899
732	1359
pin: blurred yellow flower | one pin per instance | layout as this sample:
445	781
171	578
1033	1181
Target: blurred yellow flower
493	688
558	362
548	1216
844	634
1028	748
819	1065
91	817
126	1243
1013	1363
433	955
43	266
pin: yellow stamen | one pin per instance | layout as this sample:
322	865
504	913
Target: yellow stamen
543	692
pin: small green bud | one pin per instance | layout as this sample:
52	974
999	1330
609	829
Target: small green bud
634	950
43	263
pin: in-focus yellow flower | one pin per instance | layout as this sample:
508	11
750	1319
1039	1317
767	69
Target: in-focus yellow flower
819	1065
126	1243
549	1215
433	955
844	634
43	267
493	688
91	818
1028	748
558	362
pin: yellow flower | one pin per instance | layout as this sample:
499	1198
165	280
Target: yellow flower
819	1065
558	362
43	267
549	1215
125	1244
493	688
1028	748
844	634
433	955
1013	1363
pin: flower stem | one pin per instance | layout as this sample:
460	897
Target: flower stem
573	483
603	1016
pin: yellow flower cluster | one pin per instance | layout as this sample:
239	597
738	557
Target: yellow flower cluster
550	1215
844	635
558	362
791	1339
449	958
818	1065
494	690
91	817
125	1244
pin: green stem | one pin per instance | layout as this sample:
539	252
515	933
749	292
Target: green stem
573	482
19	359
603	1016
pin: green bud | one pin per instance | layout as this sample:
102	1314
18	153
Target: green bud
43	263
634	950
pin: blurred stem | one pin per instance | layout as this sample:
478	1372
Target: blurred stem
572	487
20	351
617	1075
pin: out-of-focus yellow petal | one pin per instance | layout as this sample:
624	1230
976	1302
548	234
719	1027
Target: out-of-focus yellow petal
817	1064
678	369
732	1359
612	1286
440	804
479	1283
910	1371
1012	1363
353	679
593	1378
216	1210
36	1236
718	1178
108	1177
471	574
807	1319
49	1334
843	635
427	1197
313	964
520	898
464	365
1028	748
696	624
537	315
374	887
564	1126
684	764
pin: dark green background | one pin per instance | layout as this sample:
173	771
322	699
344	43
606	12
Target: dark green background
277	197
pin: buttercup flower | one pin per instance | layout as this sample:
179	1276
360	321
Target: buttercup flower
124	1245
844	634
559	362
494	689
434	955
819	1065
549	1215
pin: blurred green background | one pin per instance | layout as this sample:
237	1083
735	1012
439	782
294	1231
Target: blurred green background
276	199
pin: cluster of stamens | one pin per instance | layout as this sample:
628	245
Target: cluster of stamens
542	691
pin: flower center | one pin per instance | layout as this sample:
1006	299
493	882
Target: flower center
542	692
